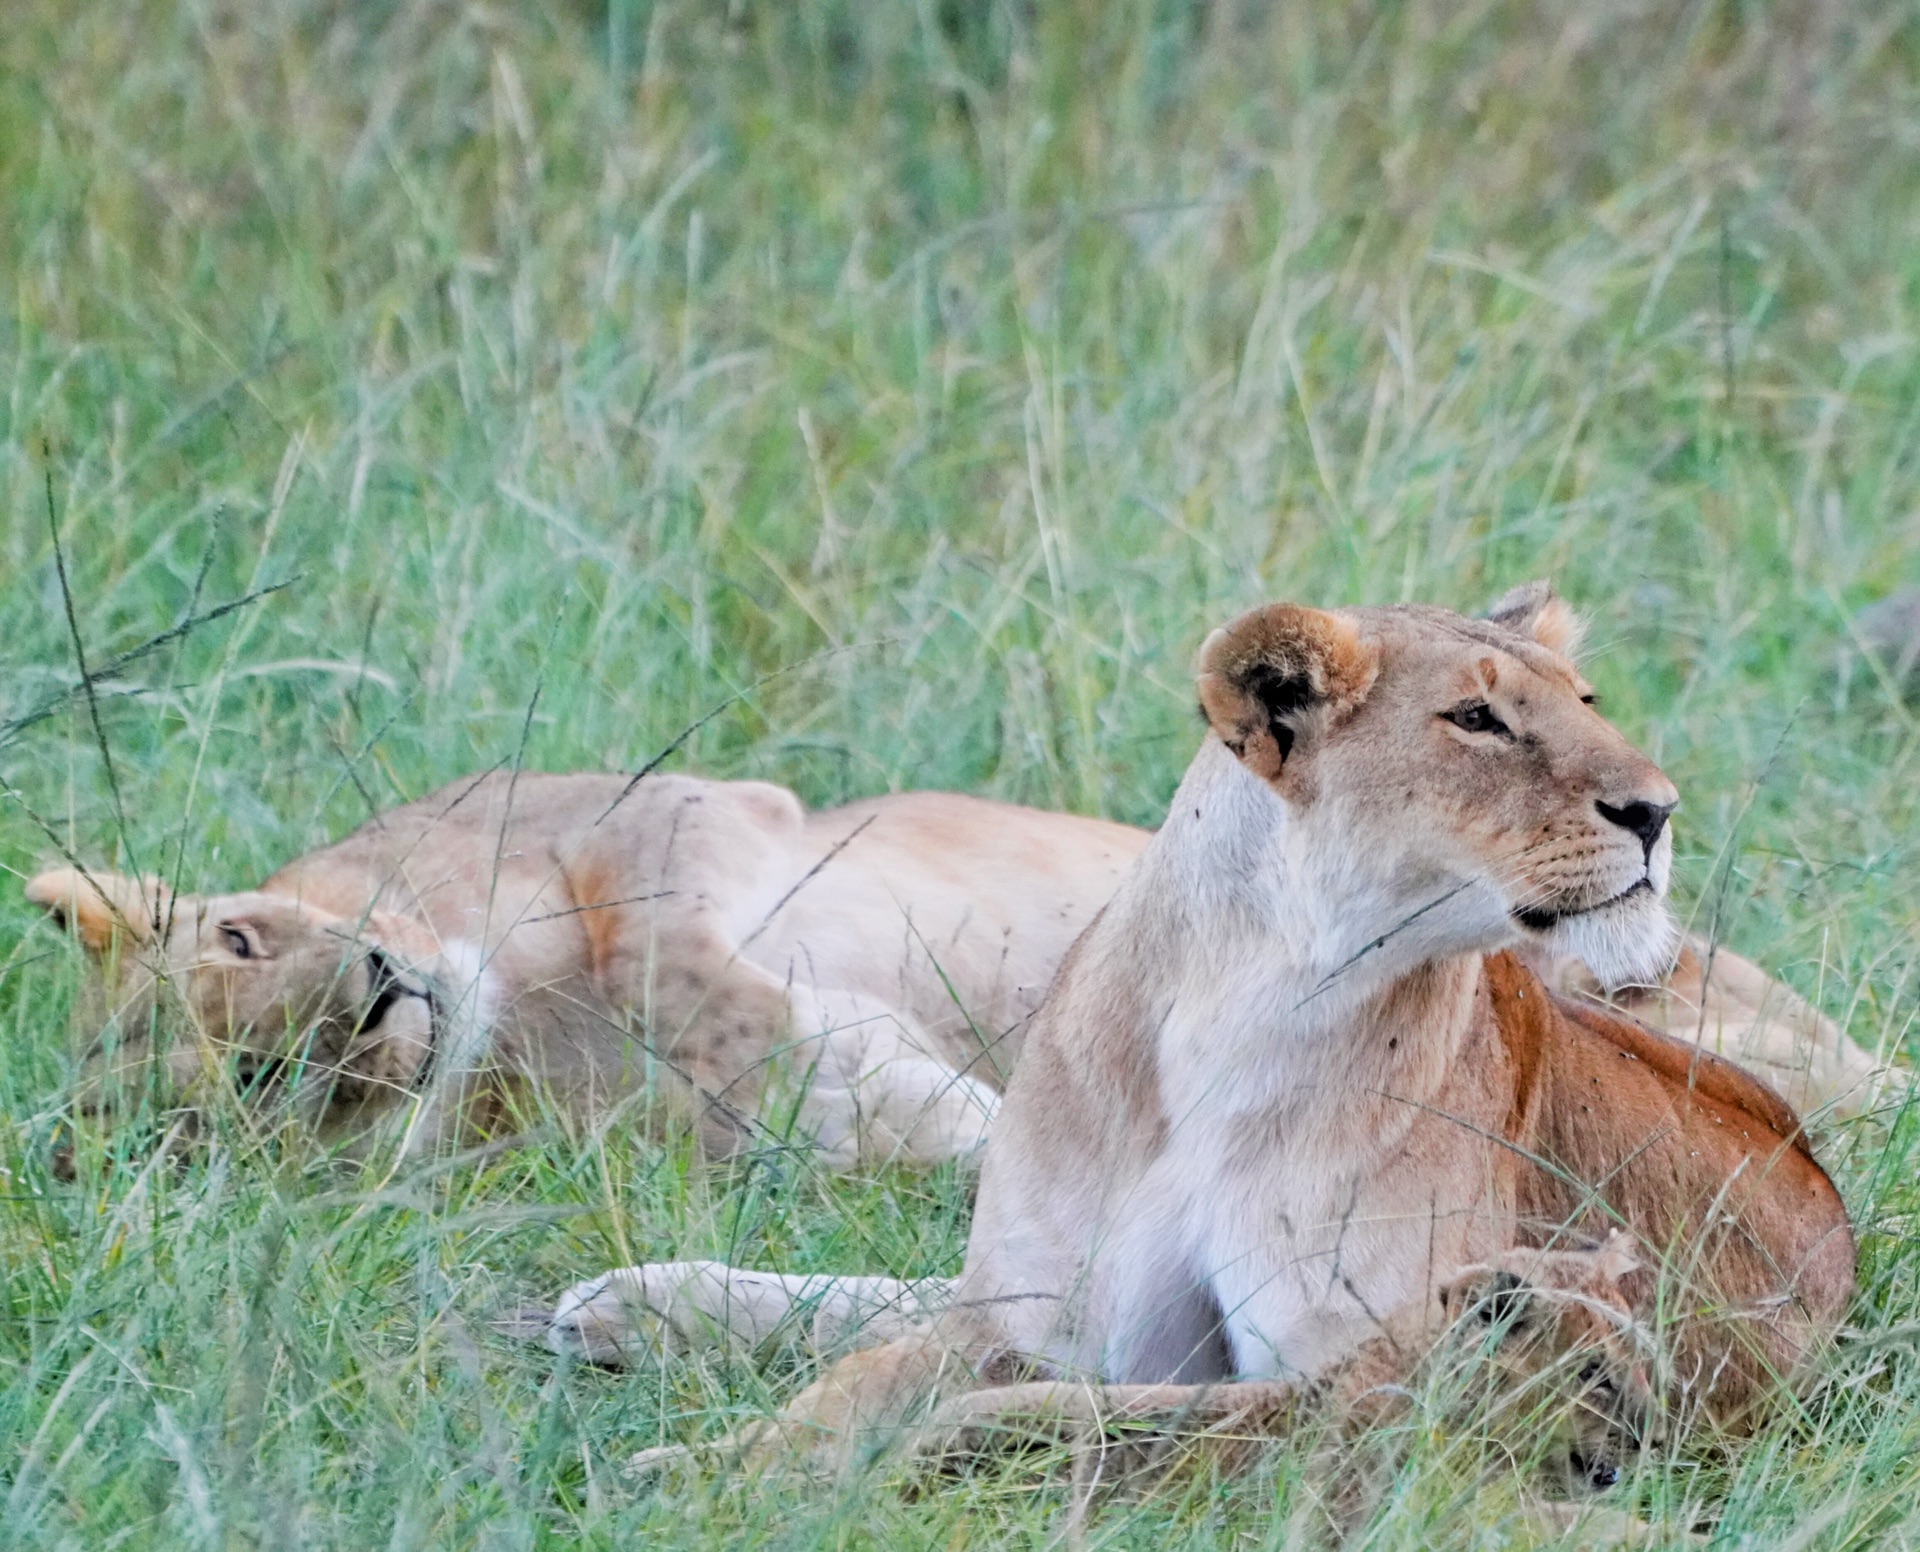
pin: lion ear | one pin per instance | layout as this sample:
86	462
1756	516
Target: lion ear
1534	609
1492	1293
1279	672
99	905
1618	1255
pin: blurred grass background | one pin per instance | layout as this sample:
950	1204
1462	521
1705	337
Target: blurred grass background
936	372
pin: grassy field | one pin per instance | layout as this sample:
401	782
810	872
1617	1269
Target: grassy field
930	376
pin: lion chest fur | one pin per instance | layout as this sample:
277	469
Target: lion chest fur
1239	1141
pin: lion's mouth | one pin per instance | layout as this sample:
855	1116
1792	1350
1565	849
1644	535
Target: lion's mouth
1543	918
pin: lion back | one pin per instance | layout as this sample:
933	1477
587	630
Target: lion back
1708	1167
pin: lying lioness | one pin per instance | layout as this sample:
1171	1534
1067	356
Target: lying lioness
709	942
1292	1077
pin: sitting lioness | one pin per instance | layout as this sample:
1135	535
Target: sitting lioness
697	939
1292	1076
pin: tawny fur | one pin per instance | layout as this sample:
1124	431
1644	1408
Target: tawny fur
709	944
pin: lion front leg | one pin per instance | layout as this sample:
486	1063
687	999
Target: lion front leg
660	887
848	1074
875	1094
622	1316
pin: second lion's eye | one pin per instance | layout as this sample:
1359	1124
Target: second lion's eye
237	942
1477	717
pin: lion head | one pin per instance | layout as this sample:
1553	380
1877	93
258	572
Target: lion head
258	997
1549	1358
1449	784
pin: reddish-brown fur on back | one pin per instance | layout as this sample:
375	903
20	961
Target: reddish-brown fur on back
1709	1167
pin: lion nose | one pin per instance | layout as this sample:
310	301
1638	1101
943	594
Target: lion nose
1645	820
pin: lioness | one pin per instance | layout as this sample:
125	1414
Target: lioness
1291	1078
690	937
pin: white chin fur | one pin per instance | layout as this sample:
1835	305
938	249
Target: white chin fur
1630	943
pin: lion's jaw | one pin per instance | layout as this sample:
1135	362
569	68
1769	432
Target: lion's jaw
1630	937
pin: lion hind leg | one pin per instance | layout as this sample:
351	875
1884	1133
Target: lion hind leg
756	1441
920	1397
859	1408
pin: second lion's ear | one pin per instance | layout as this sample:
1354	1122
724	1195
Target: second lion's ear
1278	674
100	906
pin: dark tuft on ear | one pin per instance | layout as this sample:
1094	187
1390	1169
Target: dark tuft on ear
1534	609
1503	1300
1492	1294
1267	675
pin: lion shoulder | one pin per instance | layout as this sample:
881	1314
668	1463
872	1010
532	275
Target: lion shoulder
1682	1064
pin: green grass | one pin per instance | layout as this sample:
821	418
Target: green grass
929	376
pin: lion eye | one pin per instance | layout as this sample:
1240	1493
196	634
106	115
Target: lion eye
238	942
1477	717
1590	699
